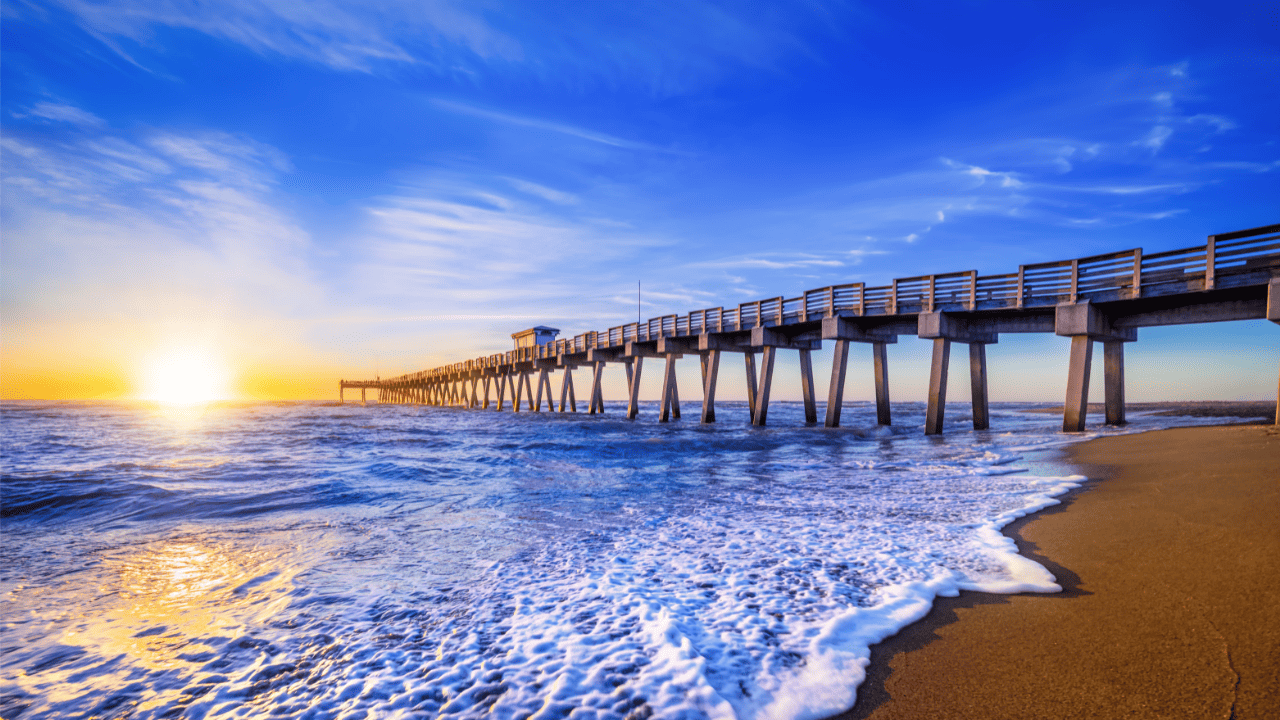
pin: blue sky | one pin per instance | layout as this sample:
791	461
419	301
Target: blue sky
321	190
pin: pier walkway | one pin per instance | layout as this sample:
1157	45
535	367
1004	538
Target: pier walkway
1103	298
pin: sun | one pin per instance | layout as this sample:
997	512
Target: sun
185	376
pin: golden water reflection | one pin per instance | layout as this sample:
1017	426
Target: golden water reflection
169	604
182	417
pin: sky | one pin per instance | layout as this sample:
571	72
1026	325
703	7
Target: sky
300	192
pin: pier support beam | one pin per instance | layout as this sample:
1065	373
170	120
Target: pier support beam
633	386
363	401
1084	324
1077	404
880	361
675	398
750	360
945	329
1113	380
839	369
544	382
710	370
835	393
566	391
487	381
844	331
937	386
978	385
766	382
522	379
669	391
596	404
806	387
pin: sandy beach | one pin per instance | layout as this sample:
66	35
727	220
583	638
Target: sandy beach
1169	559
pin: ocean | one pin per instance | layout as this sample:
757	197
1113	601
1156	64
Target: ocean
317	560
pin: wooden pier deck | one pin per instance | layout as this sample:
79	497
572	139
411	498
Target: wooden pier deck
1103	298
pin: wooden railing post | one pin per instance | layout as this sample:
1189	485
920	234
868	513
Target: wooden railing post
933	289
862	299
1209	263
1075	279
1022	275
973	290
1137	273
893	298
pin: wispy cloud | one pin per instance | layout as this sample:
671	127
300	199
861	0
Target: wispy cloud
765	263
1166	188
1124	217
1005	179
340	35
61	112
546	193
539	124
1246	165
669	49
431	246
1217	122
1156	139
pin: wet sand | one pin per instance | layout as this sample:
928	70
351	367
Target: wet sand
1169	561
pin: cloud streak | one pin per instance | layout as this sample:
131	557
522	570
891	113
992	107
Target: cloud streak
61	112
671	50
761	263
539	124
343	36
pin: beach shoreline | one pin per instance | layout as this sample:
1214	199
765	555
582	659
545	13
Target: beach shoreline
1168	558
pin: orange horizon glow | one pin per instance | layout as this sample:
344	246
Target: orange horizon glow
252	384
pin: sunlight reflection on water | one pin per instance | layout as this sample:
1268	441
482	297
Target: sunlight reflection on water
167	606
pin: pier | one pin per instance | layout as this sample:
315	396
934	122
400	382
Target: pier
1099	299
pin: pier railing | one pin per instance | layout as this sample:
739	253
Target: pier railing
1226	260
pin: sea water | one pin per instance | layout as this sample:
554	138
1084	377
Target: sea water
386	561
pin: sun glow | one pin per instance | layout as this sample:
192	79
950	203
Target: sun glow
186	376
